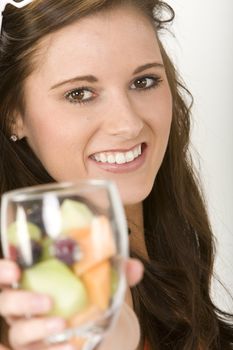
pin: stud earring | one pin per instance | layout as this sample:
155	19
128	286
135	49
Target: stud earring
14	138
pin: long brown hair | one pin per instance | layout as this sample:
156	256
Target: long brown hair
173	301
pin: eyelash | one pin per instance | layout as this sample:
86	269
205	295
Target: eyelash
156	82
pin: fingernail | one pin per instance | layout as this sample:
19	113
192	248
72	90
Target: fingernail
55	324
41	303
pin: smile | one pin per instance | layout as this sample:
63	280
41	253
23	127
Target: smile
118	157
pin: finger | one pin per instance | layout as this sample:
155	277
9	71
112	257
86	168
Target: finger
127	326
9	272
25	332
15	303
134	271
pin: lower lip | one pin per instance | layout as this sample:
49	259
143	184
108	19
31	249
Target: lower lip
123	168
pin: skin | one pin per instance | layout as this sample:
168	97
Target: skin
121	115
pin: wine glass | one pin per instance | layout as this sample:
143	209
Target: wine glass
71	242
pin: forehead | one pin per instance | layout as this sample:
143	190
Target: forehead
122	35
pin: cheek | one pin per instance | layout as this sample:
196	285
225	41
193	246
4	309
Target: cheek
43	133
57	133
59	149
160	113
53	126
55	140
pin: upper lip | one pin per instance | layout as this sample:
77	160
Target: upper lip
119	150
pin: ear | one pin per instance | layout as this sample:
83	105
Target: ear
17	126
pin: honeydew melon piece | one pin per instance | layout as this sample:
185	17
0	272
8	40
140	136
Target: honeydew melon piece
96	244
98	283
32	231
75	214
54	278
47	248
114	281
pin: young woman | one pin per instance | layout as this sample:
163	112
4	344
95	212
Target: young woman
88	91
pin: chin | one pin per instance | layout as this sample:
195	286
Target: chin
131	195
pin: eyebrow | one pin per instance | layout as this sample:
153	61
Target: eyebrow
93	79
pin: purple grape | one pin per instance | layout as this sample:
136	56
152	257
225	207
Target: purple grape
67	250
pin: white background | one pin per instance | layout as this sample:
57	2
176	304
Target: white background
203	52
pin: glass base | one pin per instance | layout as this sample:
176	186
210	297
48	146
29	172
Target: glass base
91	338
90	333
90	343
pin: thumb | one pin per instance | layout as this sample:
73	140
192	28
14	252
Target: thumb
125	332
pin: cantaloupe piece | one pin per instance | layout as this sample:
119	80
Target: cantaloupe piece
98	284
78	343
96	244
91	313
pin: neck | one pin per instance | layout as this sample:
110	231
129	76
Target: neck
134	215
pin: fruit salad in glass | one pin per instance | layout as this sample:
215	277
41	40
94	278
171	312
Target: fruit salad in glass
70	240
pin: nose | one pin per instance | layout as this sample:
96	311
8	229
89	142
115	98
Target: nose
122	118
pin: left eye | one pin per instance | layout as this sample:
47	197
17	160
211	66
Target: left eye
145	83
80	95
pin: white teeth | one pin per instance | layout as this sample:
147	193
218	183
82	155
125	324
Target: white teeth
129	156
135	152
118	157
139	150
103	157
111	159
97	157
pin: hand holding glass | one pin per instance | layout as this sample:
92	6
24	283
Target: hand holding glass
70	241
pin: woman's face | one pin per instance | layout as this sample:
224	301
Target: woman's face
99	104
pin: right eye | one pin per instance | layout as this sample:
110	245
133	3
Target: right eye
80	95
